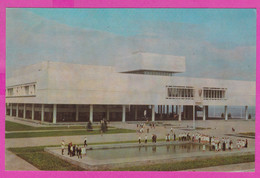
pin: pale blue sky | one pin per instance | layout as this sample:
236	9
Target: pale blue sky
222	25
217	43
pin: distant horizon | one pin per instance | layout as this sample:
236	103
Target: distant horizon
217	43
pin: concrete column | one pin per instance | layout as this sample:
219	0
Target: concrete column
226	114
194	126
153	113
54	117
107	113
160	111
184	112
179	112
204	113
32	111
246	112
77	113
172	112
24	111
123	113
135	112
11	109
17	110
91	113
207	111
42	117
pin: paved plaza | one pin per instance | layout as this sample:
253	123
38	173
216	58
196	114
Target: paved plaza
218	128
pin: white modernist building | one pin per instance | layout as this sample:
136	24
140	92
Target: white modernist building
143	82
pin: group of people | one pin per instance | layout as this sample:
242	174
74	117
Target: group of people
154	138
218	144
215	143
142	126
74	150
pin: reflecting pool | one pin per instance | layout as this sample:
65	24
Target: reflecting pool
144	151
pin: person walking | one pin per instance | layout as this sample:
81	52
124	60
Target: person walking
85	142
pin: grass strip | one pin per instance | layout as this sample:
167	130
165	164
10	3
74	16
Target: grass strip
248	134
13	126
184	165
64	133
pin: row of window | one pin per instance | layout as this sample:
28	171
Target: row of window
153	73
188	92
21	90
180	92
214	94
158	73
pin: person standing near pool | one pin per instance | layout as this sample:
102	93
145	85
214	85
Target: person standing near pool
71	150
246	144
79	153
204	148
139	139
62	147
145	139
69	145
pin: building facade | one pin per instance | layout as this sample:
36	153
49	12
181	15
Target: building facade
140	83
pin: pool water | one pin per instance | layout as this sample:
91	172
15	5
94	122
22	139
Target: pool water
144	151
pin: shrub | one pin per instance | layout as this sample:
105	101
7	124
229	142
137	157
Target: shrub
249	116
222	115
229	115
103	126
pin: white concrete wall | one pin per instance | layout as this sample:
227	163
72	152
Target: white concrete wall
66	83
151	61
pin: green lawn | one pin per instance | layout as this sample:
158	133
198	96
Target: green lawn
184	165
12	126
248	133
64	133
45	161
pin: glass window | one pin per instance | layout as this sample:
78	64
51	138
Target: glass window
10	92
214	93
26	88
180	92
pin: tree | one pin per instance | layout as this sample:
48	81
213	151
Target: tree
89	126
